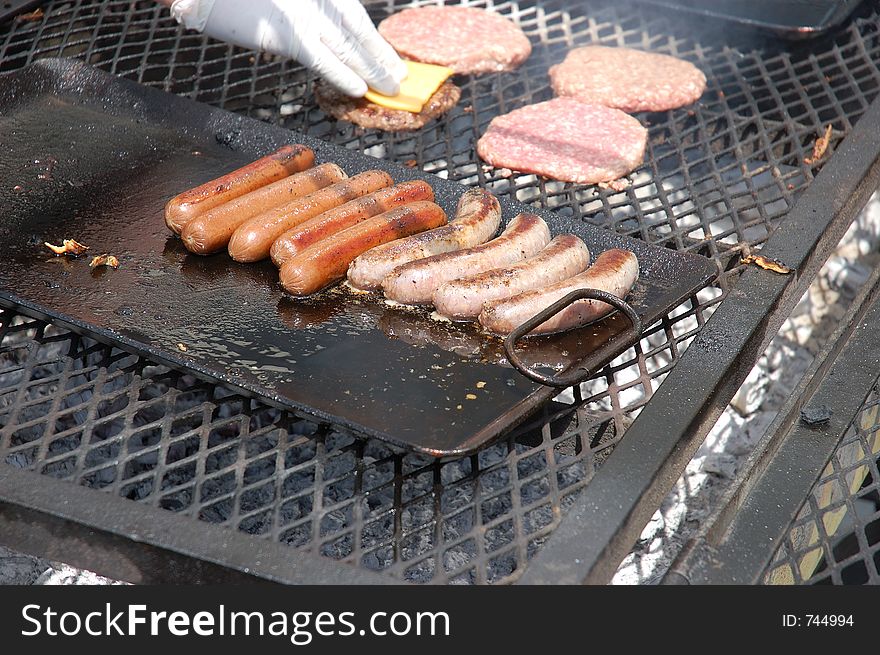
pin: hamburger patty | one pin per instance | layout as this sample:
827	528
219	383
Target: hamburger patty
566	140
466	39
368	114
627	79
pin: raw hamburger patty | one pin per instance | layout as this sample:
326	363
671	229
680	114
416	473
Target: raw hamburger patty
368	114
565	140
627	79
467	39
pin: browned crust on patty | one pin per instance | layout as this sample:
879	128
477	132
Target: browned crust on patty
368	114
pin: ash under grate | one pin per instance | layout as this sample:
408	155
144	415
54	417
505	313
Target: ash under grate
835	538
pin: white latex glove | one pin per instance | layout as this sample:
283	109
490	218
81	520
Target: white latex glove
335	38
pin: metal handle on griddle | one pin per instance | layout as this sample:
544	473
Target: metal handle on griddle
592	361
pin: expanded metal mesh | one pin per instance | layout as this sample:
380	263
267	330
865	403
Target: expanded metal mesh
835	538
75	409
718	177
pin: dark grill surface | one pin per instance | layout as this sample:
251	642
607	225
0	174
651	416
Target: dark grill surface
835	538
718	177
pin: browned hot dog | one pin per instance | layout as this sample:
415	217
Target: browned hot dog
211	231
564	257
416	282
281	163
351	213
253	239
477	218
615	271
327	261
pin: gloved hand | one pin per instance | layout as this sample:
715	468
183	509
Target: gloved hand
335	38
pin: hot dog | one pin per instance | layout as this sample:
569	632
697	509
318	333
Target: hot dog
615	271
281	163
253	239
211	231
416	282
326	261
564	257
351	213
476	219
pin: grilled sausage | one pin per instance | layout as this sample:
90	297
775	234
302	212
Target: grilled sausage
253	239
417	281
326	261
564	257
615	271
281	163
211	231
351	213
477	218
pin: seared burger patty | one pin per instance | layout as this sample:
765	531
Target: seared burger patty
368	114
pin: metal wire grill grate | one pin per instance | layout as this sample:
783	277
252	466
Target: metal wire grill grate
718	177
835	538
75	409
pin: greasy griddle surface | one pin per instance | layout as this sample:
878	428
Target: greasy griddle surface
88	156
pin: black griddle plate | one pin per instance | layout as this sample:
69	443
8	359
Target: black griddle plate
89	156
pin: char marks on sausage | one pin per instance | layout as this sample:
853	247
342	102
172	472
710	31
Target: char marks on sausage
326	261
564	257
285	161
209	232
253	240
416	282
477	218
614	271
351	213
